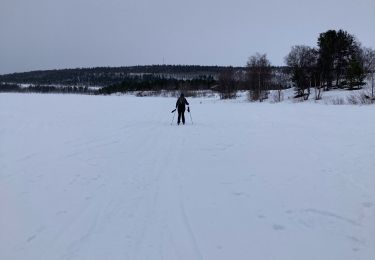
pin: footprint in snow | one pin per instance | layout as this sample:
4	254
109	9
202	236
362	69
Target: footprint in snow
367	204
31	238
61	212
278	227
356	240
238	193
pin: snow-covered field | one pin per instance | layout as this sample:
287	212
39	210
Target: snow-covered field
93	177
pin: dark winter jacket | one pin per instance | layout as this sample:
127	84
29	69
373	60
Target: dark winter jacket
181	102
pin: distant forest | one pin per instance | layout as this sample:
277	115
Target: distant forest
339	61
105	76
108	80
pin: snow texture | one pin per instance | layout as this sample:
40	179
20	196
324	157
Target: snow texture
93	177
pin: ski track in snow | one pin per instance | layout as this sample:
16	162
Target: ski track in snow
109	178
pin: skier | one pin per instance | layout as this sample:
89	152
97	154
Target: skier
180	106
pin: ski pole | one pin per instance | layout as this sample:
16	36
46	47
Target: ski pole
174	112
190	116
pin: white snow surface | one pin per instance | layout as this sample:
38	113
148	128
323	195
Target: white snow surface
108	177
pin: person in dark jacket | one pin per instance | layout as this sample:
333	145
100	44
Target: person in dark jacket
180	106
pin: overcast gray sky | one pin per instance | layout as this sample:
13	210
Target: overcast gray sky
49	34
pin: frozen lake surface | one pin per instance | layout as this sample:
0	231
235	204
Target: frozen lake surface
93	177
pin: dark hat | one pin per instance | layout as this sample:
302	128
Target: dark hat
182	94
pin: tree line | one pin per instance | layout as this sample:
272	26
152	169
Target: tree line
106	76
45	89
154	83
337	62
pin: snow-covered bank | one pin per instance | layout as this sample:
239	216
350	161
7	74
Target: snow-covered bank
93	177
